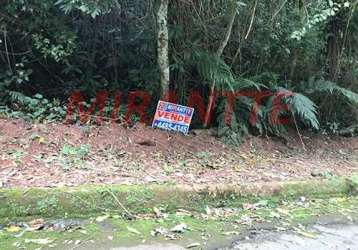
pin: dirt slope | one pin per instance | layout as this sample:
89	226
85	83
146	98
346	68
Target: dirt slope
58	154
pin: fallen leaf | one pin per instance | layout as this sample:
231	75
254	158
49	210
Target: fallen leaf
247	206
300	229
193	245
159	231
208	210
182	212
41	140
181	228
261	203
171	237
35	225
39	241
157	212
306	234
133	230
275	215
283	211
102	218
13	229
16	244
231	233
281	228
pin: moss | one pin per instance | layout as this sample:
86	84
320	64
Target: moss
119	231
59	202
8	240
272	210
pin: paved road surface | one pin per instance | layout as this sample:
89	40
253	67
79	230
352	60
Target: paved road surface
338	237
329	237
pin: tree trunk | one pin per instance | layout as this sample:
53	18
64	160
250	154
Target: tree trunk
333	49
219	53
163	47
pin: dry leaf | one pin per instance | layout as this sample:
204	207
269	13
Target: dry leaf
159	231
39	241
41	140
182	212
102	218
231	233
306	234
37	224
13	229
157	212
181	228
247	206
133	230
193	245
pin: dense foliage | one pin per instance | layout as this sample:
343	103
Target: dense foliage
302	51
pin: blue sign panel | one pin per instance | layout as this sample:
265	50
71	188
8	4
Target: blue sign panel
173	117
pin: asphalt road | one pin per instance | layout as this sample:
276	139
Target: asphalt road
338	237
318	237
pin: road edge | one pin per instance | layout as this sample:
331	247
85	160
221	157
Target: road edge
135	199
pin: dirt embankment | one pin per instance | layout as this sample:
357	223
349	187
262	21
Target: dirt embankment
69	155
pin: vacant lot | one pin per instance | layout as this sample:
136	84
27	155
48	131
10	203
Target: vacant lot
69	155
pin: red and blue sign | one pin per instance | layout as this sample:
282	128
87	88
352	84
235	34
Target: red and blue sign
173	117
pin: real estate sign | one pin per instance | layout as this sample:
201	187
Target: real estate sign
173	117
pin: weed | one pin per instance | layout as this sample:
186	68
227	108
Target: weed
71	156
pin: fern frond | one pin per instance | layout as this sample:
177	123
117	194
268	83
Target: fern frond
19	97
213	69
244	83
302	107
323	86
298	105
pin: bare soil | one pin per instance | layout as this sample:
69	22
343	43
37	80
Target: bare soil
36	155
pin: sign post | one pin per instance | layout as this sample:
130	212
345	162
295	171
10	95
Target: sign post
173	117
